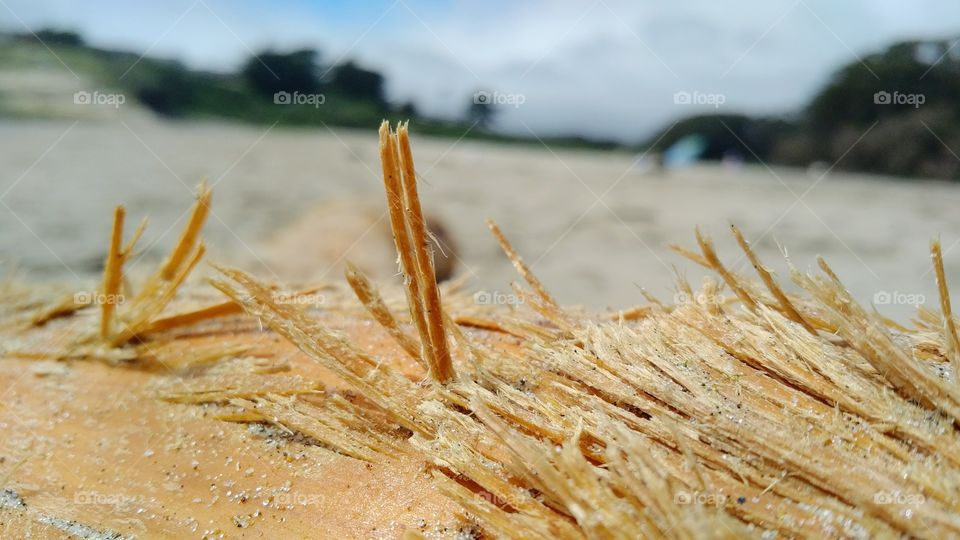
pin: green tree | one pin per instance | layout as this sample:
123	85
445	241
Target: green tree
356	82
51	36
270	72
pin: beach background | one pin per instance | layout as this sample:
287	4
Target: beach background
599	136
594	226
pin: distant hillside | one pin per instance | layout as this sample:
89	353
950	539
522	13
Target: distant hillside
894	113
288	87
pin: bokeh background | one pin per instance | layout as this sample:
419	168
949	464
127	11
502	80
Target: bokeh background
596	133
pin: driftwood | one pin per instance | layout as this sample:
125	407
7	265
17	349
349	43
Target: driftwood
743	411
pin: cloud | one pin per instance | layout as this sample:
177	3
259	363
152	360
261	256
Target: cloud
605	68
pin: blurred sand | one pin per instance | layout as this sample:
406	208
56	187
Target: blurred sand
58	190
320	242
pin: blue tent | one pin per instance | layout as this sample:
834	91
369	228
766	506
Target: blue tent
685	151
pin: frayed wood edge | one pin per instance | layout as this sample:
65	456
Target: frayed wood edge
389	390
161	287
788	307
521	266
377	308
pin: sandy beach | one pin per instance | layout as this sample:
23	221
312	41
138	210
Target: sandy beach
594	227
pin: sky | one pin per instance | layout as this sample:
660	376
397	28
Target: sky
601	68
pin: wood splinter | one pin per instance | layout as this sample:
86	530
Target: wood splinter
378	309
117	256
410	237
952	341
521	266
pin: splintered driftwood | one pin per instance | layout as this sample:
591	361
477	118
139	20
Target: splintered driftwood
742	411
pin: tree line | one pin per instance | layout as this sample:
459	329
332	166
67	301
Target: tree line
895	112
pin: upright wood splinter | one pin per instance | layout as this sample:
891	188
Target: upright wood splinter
416	262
